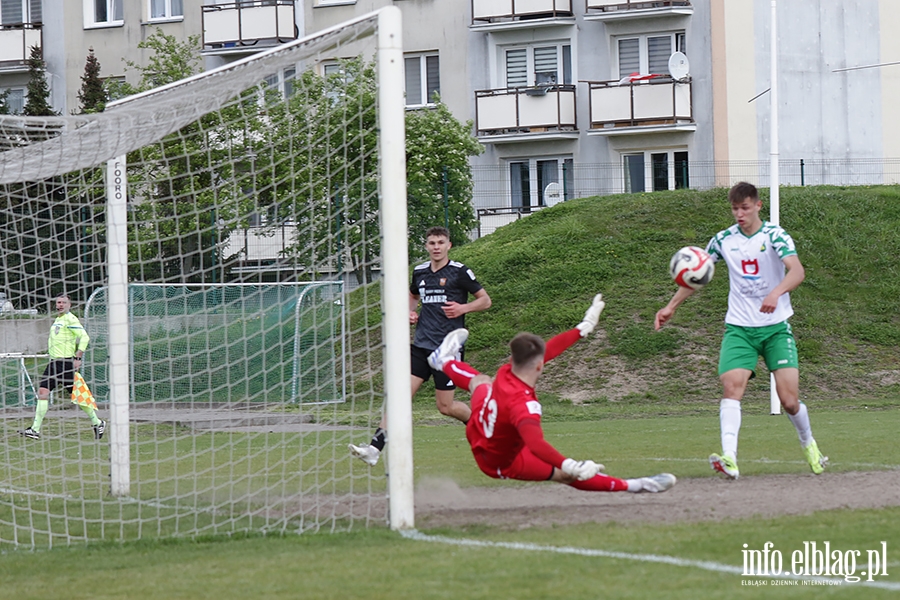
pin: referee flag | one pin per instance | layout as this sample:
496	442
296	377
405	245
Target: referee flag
80	392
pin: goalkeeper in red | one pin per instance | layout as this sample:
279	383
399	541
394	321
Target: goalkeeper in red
505	429
763	268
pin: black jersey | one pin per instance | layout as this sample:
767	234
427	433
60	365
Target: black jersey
453	283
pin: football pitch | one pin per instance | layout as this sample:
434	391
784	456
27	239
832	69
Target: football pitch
482	538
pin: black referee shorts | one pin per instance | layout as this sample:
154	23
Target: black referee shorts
60	371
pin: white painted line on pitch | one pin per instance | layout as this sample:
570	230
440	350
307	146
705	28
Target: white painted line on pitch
12	491
122	500
706	565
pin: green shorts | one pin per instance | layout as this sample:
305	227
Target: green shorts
742	347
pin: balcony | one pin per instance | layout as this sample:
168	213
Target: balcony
495	15
15	45
247	26
626	10
520	114
655	105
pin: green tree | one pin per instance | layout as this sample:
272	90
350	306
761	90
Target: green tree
37	103
338	215
92	95
438	147
4	102
183	185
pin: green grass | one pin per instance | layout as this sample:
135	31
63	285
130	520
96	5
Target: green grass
541	273
380	564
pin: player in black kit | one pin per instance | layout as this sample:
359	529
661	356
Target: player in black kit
442	286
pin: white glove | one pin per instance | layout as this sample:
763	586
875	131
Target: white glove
581	469
592	316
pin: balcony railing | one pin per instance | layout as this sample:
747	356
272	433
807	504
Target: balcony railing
16	42
541	109
248	23
662	101
630	9
514	10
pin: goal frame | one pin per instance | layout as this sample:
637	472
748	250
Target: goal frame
395	264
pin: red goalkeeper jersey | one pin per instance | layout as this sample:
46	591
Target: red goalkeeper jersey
493	430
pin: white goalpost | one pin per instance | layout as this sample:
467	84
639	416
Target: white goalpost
237	251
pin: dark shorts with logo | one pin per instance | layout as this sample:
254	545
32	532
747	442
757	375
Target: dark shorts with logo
60	371
422	370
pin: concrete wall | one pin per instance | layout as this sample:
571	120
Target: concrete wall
28	336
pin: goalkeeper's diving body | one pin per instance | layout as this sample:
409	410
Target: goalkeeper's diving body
505	429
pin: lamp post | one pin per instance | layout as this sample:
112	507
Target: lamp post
774	199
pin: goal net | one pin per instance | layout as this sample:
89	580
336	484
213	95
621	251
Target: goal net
226	343
234	244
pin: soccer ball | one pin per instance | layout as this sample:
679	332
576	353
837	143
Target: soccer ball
692	267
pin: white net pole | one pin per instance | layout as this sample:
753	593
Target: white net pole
396	303
117	323
234	243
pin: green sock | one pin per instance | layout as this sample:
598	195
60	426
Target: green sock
95	420
42	407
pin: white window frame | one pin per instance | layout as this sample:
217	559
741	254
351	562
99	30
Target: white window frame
536	196
648	167
424	99
531	75
89	19
168	14
24	97
27	14
678	45
282	81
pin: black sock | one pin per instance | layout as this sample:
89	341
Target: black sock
379	439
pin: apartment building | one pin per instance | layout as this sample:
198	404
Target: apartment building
569	97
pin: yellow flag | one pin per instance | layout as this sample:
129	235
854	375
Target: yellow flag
80	392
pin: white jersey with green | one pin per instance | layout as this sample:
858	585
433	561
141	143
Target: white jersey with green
755	267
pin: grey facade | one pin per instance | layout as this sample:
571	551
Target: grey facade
548	88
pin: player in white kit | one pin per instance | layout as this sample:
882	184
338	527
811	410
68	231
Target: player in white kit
763	268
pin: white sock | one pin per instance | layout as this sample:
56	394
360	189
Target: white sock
801	424
730	424
634	485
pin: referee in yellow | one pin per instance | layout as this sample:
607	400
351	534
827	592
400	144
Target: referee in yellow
67	343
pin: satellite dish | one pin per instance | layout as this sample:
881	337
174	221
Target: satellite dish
679	67
552	194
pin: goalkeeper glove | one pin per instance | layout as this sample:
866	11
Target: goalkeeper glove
592	316
581	469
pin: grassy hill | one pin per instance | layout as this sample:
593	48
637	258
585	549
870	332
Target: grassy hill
542	271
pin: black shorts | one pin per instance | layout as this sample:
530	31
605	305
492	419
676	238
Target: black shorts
60	371
422	370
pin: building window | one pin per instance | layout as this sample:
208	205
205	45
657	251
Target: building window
423	79
166	9
538	65
16	12
529	178
100	13
656	171
15	100
283	82
648	54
